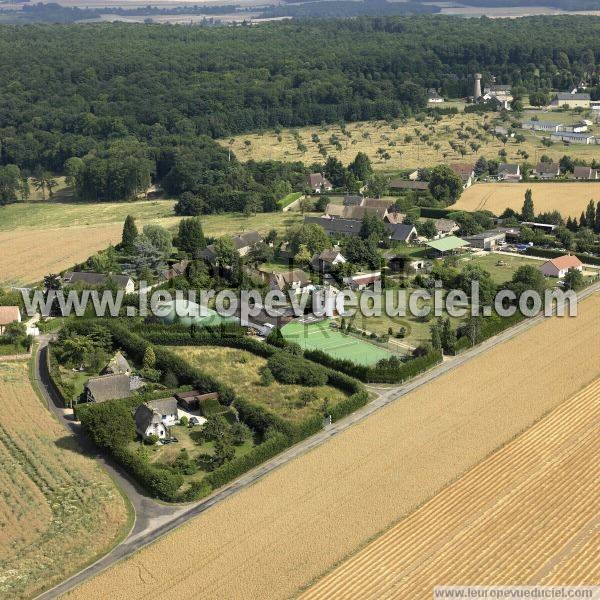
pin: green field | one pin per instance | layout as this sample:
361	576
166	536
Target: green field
320	336
500	266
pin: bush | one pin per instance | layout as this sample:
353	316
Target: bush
151	440
290	369
184	421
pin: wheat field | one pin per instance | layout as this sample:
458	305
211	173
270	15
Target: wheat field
523	516
58	508
295	524
569	199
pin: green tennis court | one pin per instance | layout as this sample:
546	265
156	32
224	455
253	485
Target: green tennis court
320	336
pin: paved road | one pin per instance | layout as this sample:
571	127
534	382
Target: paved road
153	520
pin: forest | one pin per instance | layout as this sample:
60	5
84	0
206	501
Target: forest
90	95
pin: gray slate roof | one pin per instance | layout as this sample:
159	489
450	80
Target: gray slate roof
342	226
109	387
569	96
248	238
95	278
400	232
508	168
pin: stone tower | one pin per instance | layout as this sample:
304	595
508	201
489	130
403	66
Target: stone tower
477	87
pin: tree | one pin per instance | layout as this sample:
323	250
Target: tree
226	254
472	329
436	339
10	177
448	337
378	185
303	256
334	171
525	278
190	205
160	238
190	237
130	234
149	361
361	167
372	227
311	235
573	280
266	377
426	228
527	212
597	223
147	260
445	185
590	214
73	169
567	164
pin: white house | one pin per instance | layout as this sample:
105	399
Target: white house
155	417
361	280
8	315
558	267
509	172
327	260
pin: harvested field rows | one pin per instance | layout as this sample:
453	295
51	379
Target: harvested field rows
526	515
58	509
276	536
569	199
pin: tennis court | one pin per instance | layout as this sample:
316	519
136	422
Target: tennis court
319	335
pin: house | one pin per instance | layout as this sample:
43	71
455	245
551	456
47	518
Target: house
487	240
107	387
573	138
466	172
318	183
8	315
547	170
571	99
295	279
558	267
175	270
585	173
353	200
445	227
155	417
327	260
407	184
446	245
190	401
117	364
395	218
336	227
509	172
355	212
401	233
360	281
542	125
434	98
242	242
501	93
121	282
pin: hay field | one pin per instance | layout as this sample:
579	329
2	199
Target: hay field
275	537
72	233
58	509
569	199
418	151
526	515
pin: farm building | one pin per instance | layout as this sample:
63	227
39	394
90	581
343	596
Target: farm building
107	387
558	267
360	281
575	128
8	315
487	240
509	172
541	125
336	227
155	417
190	401
572	100
585	173
547	170
446	245
406	184
121	282
318	183
573	138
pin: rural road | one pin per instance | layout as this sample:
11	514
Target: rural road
153	519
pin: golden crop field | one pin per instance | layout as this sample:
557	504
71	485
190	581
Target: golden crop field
275	537
526	515
413	151
569	199
58	508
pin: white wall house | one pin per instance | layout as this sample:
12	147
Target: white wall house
558	267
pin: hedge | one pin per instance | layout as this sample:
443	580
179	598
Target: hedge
551	253
64	390
436	213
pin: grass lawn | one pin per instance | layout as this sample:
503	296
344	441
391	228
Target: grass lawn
10	349
500	266
242	369
76	379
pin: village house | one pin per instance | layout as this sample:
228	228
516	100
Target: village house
360	281
353	200
509	172
434	98
242	242
121	282
336	227
501	93
547	170
327	260
402	233
117	364
571	100
318	183
354	212
466	172
585	173
445	227
175	270
107	387
558	267
155	417
8	315
408	184
296	280
394	218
